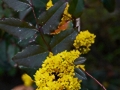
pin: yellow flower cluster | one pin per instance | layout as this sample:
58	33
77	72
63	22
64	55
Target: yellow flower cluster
66	16
83	41
49	4
57	72
27	80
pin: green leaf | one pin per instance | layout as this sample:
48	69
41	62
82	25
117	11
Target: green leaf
32	56
76	8
17	28
80	74
47	38
109	5
63	41
39	3
79	60
29	71
49	20
16	5
12	49
24	13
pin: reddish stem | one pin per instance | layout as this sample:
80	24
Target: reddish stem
39	28
93	79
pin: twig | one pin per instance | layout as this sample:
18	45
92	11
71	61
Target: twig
93	78
38	27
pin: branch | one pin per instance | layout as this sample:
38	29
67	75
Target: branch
38	27
93	78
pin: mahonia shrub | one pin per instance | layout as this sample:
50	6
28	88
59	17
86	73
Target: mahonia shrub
52	42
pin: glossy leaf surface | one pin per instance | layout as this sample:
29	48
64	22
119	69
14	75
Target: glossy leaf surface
17	28
80	74
16	5
49	20
63	41
32	56
76	8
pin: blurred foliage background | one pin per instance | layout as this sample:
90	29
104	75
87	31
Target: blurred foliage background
102	61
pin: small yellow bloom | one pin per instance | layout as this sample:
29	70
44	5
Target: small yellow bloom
27	80
66	16
49	4
83	41
81	66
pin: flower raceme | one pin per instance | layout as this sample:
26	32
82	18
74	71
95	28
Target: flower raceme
57	72
83	41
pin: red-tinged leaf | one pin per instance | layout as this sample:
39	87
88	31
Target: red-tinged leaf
62	27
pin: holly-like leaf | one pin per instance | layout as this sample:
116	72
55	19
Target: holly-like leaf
80	74
17	28
24	13
79	60
109	5
16	5
76	8
49	20
63	41
39	3
32	56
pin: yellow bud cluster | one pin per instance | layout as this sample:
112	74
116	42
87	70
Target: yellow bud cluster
83	41
57	72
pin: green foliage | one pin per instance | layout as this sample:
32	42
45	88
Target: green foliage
47	21
76	7
80	74
17	28
53	14
32	56
63	39
16	5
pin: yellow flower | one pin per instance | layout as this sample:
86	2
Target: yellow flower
57	72
66	16
83	41
27	80
49	4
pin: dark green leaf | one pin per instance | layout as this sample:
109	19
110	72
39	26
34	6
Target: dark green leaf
39	3
29	71
76	8
16	5
80	74
17	28
63	41
12	49
80	60
32	56
109	5
49	20
39	40
24	13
